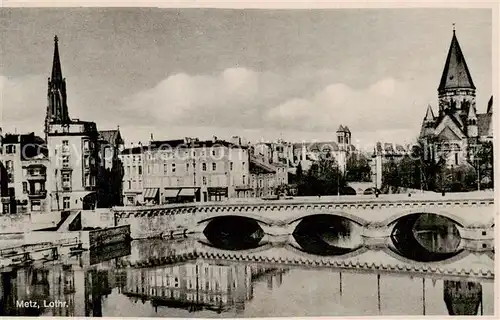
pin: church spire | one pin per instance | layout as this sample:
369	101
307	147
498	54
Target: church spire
429	115
56	62
455	73
57	109
490	105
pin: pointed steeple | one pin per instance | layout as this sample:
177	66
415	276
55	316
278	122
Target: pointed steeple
456	73
57	109
429	115
472	113
341	129
56	63
490	105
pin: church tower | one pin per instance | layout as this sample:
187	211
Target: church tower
456	91
57	109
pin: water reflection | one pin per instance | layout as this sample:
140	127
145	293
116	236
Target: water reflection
328	235
195	286
426	238
463	297
205	288
234	233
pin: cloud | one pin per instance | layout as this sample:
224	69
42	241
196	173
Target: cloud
235	101
385	105
21	108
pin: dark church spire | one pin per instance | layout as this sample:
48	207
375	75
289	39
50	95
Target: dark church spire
57	109
456	73
56	63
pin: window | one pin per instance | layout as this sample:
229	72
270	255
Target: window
65	146
187	167
140	169
243	179
204	181
165	168
87	179
128	170
213	153
25	187
65	161
66	203
173	167
204	166
456	158
87	161
231	166
36	205
10	148
66	180
243	165
129	184
214	166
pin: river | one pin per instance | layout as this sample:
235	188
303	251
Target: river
112	283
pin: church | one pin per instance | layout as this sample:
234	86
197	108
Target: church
456	129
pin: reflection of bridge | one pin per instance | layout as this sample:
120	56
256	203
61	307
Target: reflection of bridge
465	264
473	213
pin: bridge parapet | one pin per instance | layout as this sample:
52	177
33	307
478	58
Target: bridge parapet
471	212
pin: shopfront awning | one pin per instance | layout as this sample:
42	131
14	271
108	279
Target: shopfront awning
171	193
150	193
188	192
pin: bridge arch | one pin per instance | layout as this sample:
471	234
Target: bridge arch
341	214
392	219
258	218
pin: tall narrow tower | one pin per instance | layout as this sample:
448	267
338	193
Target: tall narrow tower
456	90
57	109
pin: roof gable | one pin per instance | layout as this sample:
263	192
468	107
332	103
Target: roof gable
448	122
111	136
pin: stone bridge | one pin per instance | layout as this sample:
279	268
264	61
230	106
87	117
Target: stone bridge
473	213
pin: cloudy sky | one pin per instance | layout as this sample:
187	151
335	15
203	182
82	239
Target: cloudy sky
261	74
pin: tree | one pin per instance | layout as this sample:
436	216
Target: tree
358	168
322	178
298	171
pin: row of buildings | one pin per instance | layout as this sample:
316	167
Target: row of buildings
190	169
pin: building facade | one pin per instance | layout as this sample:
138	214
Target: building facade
110	177
193	170
25	162
132	160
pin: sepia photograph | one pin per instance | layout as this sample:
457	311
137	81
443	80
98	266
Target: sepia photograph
247	162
